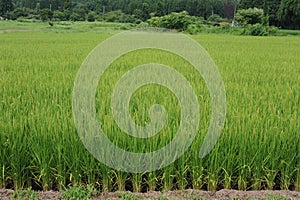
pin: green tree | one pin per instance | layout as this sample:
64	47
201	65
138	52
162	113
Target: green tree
37	7
213	5
67	4
245	4
6	6
143	12
119	16
235	4
280	12
289	14
272	11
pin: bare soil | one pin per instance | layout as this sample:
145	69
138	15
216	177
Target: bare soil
184	194
198	194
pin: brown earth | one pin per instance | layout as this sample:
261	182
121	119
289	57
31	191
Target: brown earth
197	194
184	194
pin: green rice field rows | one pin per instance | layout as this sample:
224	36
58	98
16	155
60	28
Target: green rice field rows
259	147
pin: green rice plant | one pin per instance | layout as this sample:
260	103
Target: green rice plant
197	177
40	148
152	181
214	171
168	177
137	182
297	180
181	174
106	178
18	166
121	179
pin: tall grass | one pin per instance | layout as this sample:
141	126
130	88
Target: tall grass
258	149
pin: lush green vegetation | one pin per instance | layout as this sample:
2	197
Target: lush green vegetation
281	13
187	24
259	147
288	32
248	22
62	27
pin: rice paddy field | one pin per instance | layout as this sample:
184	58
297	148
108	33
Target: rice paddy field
39	146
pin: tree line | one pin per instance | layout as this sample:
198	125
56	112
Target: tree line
281	13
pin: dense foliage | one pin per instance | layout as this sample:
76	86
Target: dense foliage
250	16
179	21
284	13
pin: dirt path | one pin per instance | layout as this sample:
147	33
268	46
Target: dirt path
185	194
197	194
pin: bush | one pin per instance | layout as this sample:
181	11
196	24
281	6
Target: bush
24	13
125	27
75	17
46	14
178	21
59	16
254	22
192	29
143	25
250	16
272	30
78	15
67	14
215	18
255	30
91	17
195	28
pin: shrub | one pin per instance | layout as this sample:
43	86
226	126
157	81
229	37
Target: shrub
255	30
143	25
75	17
46	14
254	22
250	16
67	14
195	28
78	15
178	21
59	16
24	13
272	30
125	27
91	17
215	18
